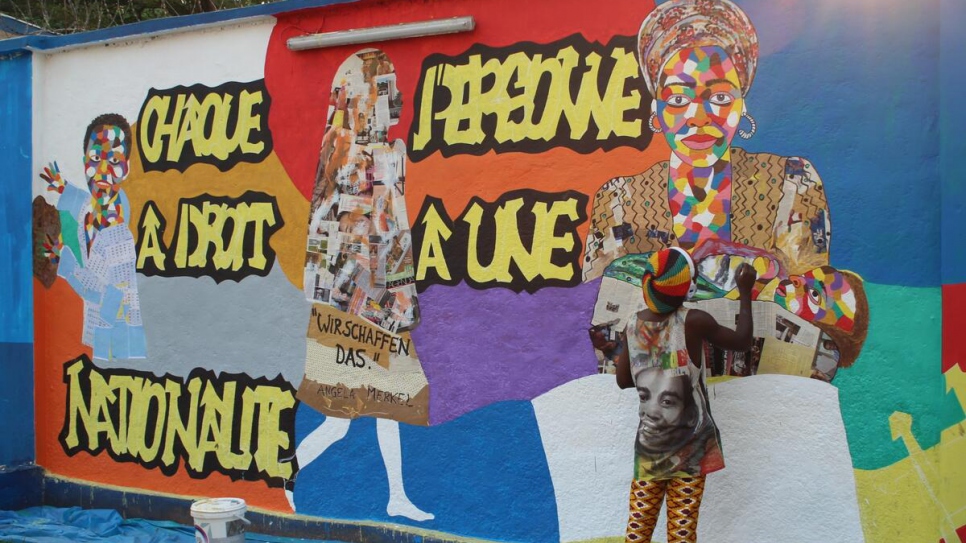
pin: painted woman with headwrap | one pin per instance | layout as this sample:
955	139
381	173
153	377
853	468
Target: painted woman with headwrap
677	441
698	60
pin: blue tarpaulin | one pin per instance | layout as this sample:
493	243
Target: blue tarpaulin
58	525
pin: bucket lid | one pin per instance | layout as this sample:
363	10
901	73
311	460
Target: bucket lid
218	506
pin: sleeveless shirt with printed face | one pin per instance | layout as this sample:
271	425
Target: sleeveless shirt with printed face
677	436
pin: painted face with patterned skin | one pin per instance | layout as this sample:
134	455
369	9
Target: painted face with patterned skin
106	160
820	295
699	104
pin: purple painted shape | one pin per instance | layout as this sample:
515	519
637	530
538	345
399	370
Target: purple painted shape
479	347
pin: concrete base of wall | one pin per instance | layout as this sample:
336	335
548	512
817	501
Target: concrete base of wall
61	492
21	487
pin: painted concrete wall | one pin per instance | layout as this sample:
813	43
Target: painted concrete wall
19	477
208	329
16	319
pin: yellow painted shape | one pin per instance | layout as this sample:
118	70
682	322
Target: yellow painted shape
921	497
956	382
913	500
952	456
895	506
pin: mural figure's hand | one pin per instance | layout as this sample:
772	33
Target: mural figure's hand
601	343
745	278
55	181
53	248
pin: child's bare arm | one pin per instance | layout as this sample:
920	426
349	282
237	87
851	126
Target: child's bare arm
624	379
706	328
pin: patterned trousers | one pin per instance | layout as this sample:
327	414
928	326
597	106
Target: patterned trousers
683	500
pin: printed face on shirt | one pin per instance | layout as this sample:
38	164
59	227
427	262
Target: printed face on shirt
668	412
106	160
699	104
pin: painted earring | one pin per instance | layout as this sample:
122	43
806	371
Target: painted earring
754	127
651	124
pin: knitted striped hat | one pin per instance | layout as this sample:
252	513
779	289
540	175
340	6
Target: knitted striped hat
666	281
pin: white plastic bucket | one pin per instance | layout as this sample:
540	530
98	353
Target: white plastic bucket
219	520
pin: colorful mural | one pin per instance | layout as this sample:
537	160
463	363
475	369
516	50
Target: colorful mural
357	282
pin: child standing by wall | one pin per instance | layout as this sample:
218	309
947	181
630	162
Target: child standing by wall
677	441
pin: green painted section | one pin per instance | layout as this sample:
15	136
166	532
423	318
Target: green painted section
69	225
898	370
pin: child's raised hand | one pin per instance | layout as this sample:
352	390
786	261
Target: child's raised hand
55	181
745	278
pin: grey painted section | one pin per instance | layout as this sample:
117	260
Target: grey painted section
255	326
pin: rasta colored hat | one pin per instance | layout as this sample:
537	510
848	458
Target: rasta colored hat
667	280
681	24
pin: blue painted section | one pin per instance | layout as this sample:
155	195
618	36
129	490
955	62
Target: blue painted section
952	140
19	484
12	25
852	87
16	299
483	475
162	25
16	404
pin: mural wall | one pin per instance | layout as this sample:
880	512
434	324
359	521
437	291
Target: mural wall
362	282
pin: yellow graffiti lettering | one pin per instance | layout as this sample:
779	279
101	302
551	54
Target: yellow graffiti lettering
214	108
431	254
545	242
223	125
531	71
607	110
150	393
229	426
149	244
180	430
155	110
422	136
76	408
220	237
509	247
529	94
463	106
188	127
271	403
524	240
208	223
248	122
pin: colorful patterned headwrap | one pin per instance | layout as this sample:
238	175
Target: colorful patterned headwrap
681	24
666	280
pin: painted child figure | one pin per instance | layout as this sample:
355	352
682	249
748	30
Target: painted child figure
96	253
677	441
